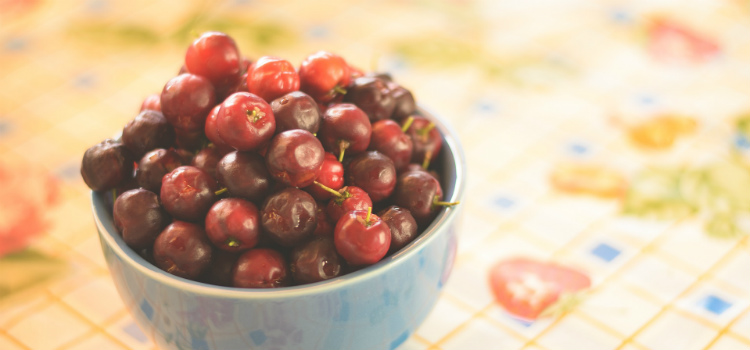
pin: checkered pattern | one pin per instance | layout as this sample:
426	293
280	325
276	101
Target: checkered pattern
527	86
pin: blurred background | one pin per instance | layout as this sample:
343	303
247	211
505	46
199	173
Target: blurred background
609	138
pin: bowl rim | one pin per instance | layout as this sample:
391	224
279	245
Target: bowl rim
115	243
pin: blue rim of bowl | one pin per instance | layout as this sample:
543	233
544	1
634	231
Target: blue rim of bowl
118	246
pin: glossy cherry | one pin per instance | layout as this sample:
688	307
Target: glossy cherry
139	217
372	96
402	224
324	76
232	224
186	100
272	77
331	175
154	165
421	194
389	138
245	121
345	128
188	192
106	165
404	102
295	157
289	216
261	268
244	174
147	131
361	237
215	56
183	250
315	261
345	200
373	172
296	110
211	129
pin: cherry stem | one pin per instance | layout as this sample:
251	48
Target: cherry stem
114	195
343	145
423	131
426	161
367	218
439	203
339	90
232	242
221	191
407	124
328	189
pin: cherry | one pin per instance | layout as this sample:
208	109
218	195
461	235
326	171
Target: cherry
402	224
426	139
331	175
404	102
421	194
346	199
139	218
208	158
154	165
372	96
289	216
106	165
232	224
245	175
295	157
188	192
373	172
147	131
315	261
420	167
245	121
324	76
345	128
272	77
152	102
260	268
183	250
296	110
220	271
211	130
215	56
389	138
361	237
186	100
324	226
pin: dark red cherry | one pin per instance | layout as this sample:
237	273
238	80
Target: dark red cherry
421	194
186	100
426	139
152	102
296	110
405	106
295	157
149	130
373	172
154	165
261	268
361	237
188	192
232	224
272	77
244	174
372	96
349	198
345	128
208	158
402	224
289	216
139	217
315	261
324	76
389	138
215	56
245	121
331	175
106	165
183	250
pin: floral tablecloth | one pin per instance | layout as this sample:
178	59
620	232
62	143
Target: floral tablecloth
607	141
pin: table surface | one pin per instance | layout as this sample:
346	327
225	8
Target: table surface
605	138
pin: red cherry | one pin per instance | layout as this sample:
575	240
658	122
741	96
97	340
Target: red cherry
272	77
345	128
215	56
245	121
211	130
295	157
426	139
186	100
182	249
389	138
373	172
324	76
347	199
232	224
188	192
331	175
152	102
361	237
261	268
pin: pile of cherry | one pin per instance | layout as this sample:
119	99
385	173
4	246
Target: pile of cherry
258	174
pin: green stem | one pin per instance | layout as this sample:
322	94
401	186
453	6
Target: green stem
367	218
339	90
407	124
221	191
343	145
426	161
232	242
328	189
439	203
